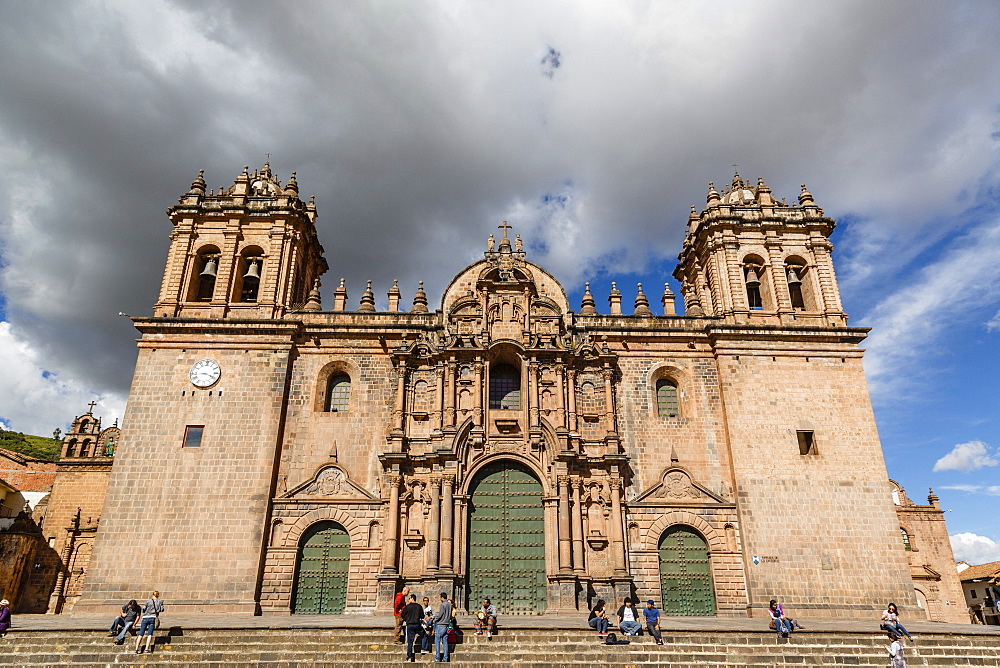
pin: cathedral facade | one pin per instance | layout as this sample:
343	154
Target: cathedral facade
279	457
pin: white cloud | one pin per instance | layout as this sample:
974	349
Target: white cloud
993	324
974	549
37	401
989	490
907	323
967	457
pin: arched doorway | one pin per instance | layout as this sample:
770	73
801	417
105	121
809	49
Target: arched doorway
685	573
507	540
321	571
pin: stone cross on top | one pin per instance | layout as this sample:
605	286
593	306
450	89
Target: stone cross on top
92	404
505	227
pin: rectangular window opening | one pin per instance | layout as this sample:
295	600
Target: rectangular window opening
806	444
192	436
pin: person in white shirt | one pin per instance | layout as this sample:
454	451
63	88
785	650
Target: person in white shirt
895	650
627	619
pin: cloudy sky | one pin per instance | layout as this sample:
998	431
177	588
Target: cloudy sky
591	127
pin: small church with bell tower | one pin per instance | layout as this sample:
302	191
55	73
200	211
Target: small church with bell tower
281	457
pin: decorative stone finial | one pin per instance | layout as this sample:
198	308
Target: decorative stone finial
394	296
367	300
313	301
490	244
587	303
518	245
805	197
198	185
292	187
932	498
420	300
712	199
615	299
641	303
668	300
340	296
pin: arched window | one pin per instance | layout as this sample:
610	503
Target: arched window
795	287
906	539
251	265
207	267
71	448
505	387
666	398
338	393
752	277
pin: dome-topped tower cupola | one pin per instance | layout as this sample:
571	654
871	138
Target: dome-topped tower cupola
246	251
750	256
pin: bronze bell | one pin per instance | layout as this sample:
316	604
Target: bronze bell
752	280
253	271
211	268
793	276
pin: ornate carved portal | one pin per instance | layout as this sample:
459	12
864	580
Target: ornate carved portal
505	385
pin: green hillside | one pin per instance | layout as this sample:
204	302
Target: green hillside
39	447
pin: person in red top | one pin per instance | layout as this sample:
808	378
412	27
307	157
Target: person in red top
398	604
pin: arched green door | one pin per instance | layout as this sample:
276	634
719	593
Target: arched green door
321	582
685	573
507	540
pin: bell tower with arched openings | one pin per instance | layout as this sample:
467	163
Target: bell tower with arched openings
246	251
750	257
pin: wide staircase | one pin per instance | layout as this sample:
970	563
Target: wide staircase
297	647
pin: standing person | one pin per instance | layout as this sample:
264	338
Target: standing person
398	604
652	616
782	625
4	616
441	622
130	611
150	612
413	618
598	619
627	619
895	650
486	619
890	622
425	645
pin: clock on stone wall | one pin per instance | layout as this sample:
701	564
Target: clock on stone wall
205	372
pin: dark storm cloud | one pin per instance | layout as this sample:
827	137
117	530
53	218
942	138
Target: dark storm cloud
420	126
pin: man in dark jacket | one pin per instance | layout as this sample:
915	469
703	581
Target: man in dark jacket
124	622
413	618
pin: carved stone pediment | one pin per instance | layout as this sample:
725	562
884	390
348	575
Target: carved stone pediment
330	482
677	486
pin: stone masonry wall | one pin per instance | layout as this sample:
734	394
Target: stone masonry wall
823	525
191	520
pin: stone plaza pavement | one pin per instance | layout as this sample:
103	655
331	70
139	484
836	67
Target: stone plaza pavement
73	622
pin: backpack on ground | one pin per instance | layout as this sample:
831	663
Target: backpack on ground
612	639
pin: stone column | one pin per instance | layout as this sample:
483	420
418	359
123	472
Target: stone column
477	407
533	394
439	396
737	284
550	505
449	394
609	401
617	529
561	396
461	527
390	545
578	550
397	412
434	526
826	278
571	389
447	523
779	281
565	552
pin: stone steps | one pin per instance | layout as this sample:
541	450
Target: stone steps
294	648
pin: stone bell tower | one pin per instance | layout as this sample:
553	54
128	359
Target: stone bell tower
247	251
752	258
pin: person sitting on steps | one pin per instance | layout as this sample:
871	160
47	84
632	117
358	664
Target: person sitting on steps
782	625
628	620
598	619
123	623
486	619
890	622
652	616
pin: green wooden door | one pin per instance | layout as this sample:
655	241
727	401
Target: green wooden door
685	573
507	541
324	557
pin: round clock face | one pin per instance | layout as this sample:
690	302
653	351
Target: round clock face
205	372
